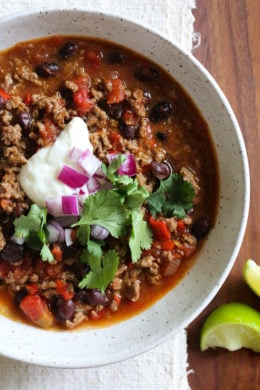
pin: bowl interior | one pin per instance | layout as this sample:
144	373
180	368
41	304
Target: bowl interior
179	307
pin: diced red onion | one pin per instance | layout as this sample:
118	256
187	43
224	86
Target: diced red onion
93	185
17	240
67	220
99	174
89	162
75	154
128	167
68	237
53	234
56	225
54	206
70	204
82	198
99	232
71	177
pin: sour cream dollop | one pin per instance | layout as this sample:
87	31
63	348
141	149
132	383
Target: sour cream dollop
38	177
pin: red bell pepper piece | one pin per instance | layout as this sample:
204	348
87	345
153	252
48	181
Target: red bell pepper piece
82	101
37	310
117	93
63	290
5	95
160	229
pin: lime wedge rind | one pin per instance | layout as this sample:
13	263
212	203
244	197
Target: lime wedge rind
251	274
231	326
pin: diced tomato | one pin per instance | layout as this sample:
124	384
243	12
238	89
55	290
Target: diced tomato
83	82
63	289
93	58
28	99
181	225
82	101
165	245
160	229
37	310
117	93
53	270
116	141
48	132
32	288
4	95
57	252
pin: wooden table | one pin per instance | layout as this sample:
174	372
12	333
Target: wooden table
230	50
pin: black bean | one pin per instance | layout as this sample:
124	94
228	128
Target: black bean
95	297
160	111
12	253
127	131
116	57
67	95
162	136
47	69
67	49
201	227
161	170
24	119
64	310
114	110
146	73
147	95
19	296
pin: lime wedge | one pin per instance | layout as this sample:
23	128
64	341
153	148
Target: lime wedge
251	273
232	326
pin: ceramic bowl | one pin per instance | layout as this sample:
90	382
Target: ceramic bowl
94	347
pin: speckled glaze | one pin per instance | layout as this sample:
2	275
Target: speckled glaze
93	347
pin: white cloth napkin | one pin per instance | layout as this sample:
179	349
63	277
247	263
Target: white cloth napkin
164	367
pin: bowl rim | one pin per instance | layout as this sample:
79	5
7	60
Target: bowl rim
246	204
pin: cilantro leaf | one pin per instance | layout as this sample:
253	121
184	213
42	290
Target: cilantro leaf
46	254
33	228
94	247
83	234
173	197
32	222
113	167
102	270
104	208
135	199
141	236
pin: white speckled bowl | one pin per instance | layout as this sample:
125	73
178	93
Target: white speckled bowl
178	308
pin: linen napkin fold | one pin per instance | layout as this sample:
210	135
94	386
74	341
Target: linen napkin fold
164	367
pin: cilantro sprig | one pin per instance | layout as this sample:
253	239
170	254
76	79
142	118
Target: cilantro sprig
33	228
173	197
105	208
102	270
141	236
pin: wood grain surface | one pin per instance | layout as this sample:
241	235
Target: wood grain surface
230	50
